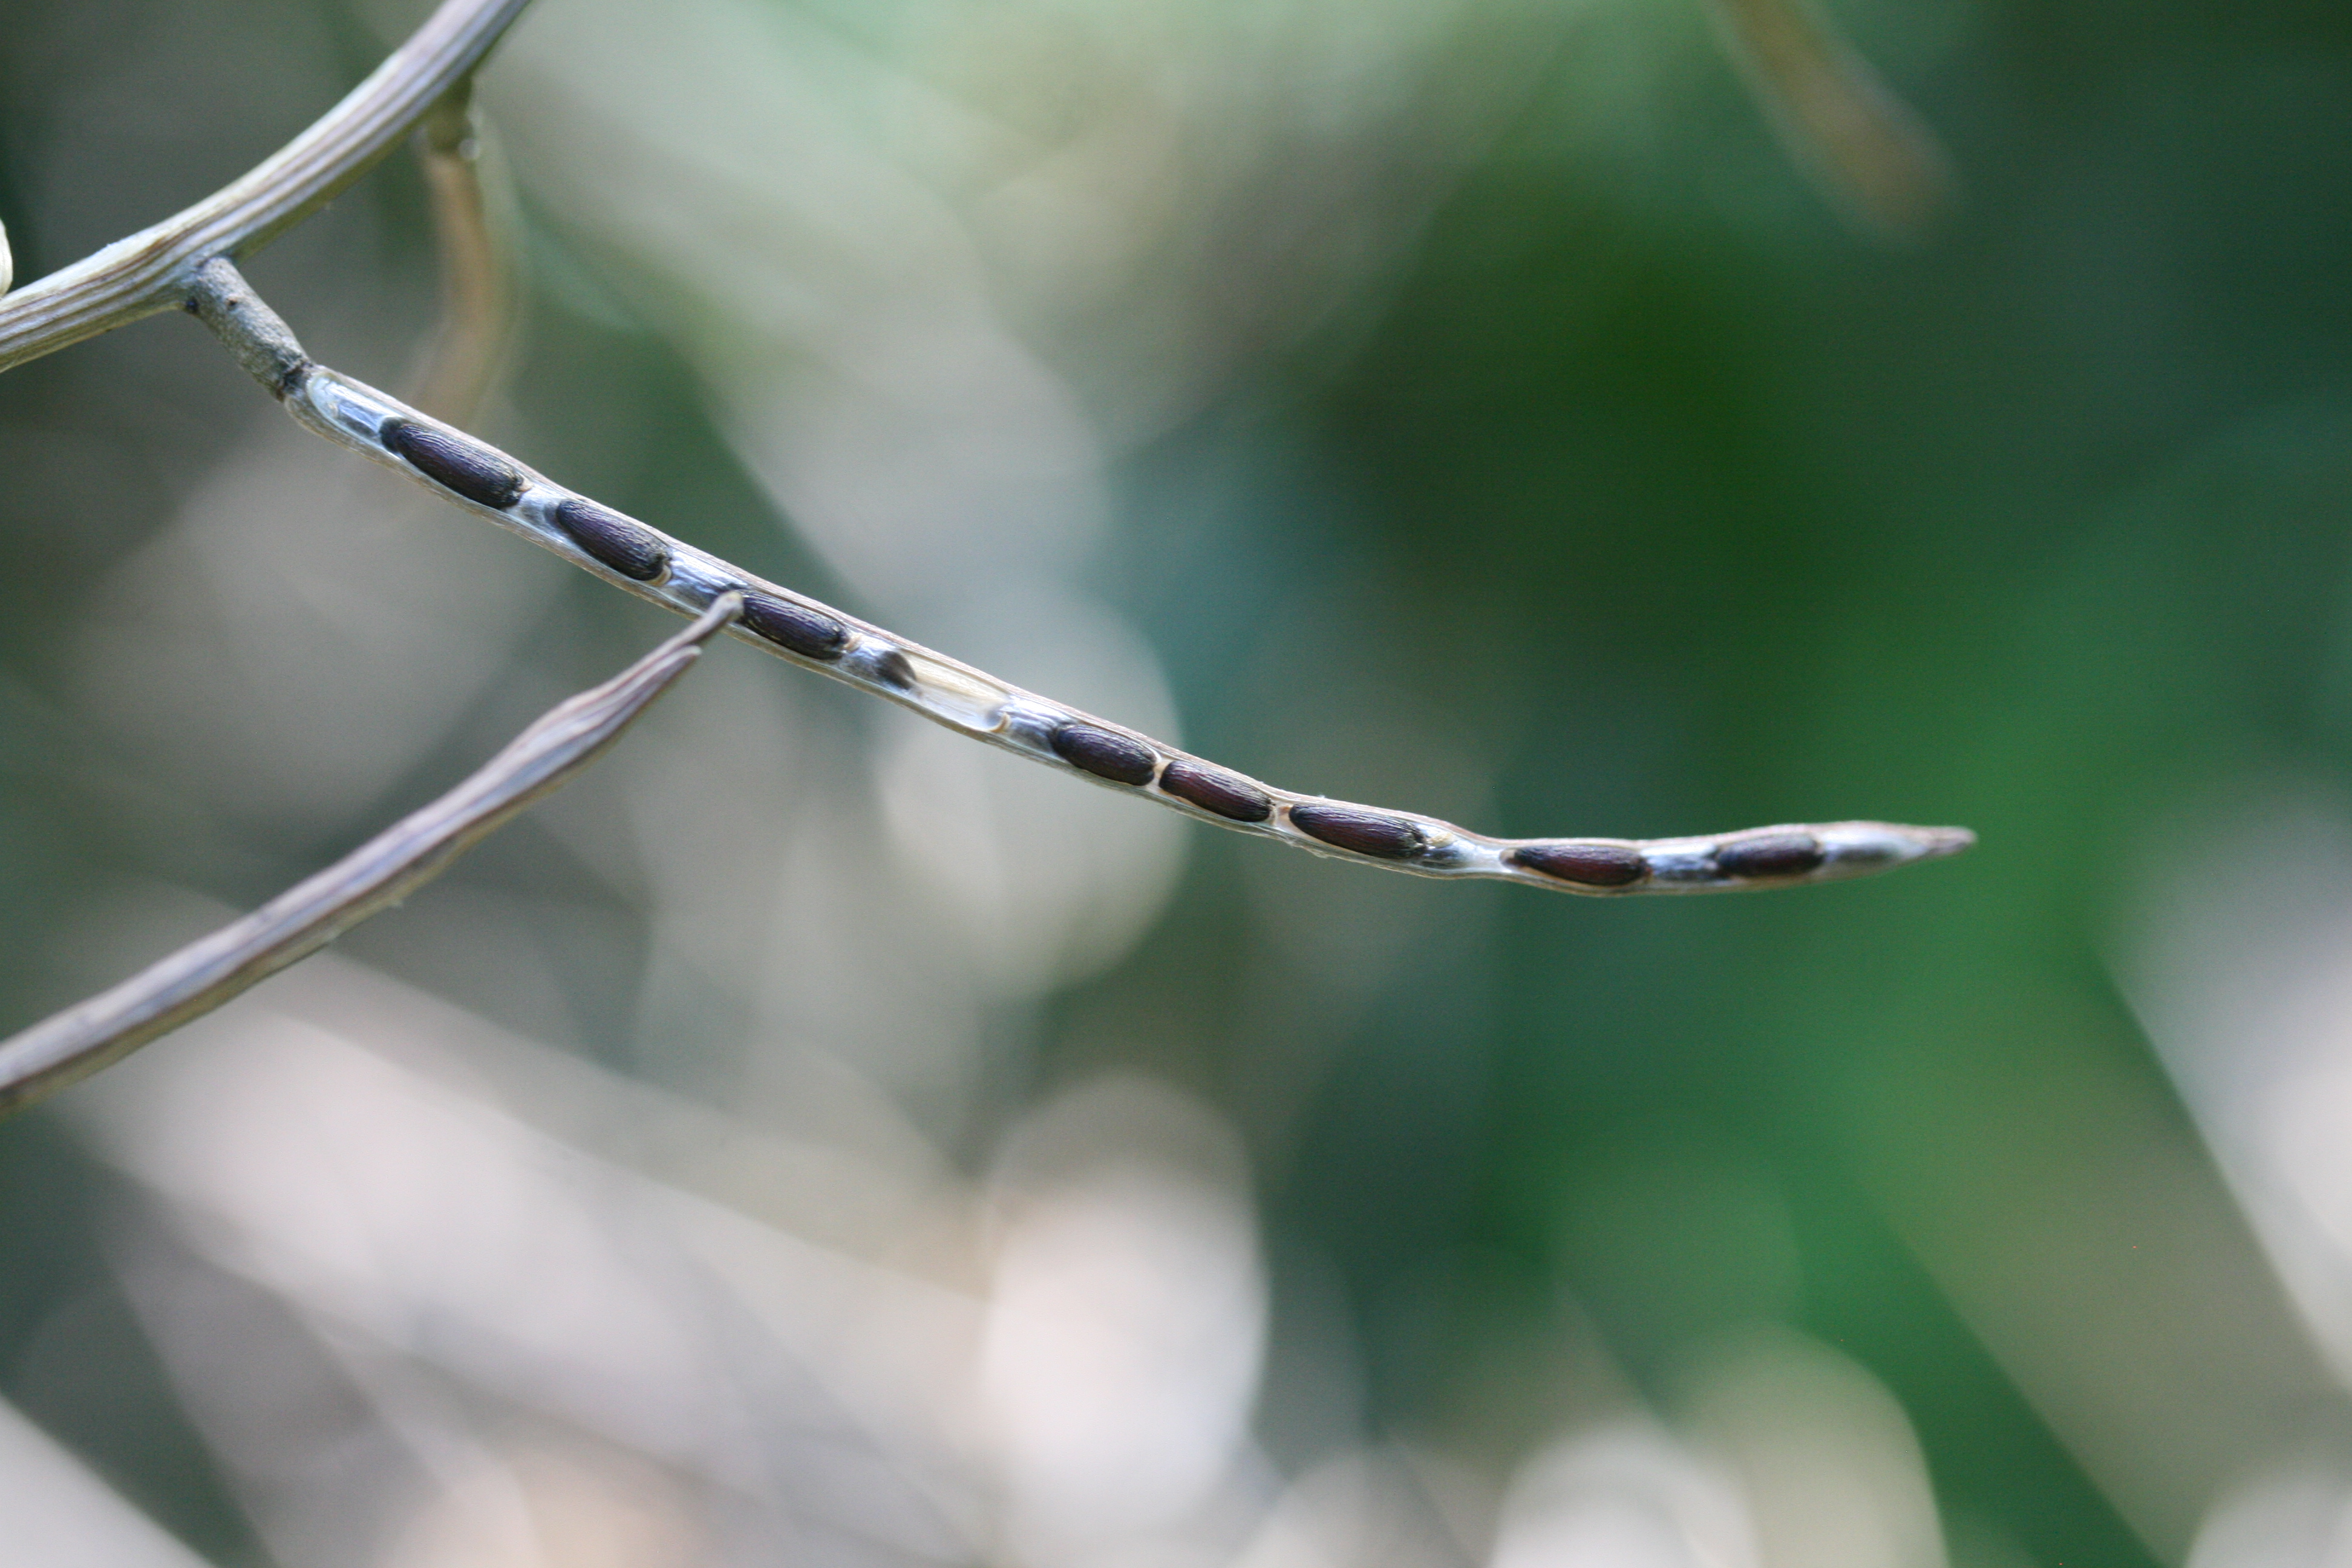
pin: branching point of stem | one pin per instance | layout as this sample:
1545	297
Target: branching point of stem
218	295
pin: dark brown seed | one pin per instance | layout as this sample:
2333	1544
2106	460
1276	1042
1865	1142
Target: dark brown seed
1212	789
893	670
1771	854
632	551
809	632
466	467
1104	754
1592	865
1365	832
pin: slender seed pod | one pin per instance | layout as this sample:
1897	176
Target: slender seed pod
975	703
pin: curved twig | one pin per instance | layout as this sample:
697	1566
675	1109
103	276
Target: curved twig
659	568
1836	116
146	272
472	213
208	972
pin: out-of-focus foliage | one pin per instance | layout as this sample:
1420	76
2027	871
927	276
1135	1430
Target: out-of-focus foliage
815	1139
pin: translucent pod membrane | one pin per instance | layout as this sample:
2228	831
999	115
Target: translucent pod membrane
649	564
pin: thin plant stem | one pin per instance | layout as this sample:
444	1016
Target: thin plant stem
1836	116
472	223
201	976
146	273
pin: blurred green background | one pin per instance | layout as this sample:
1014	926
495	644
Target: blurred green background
1467	408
